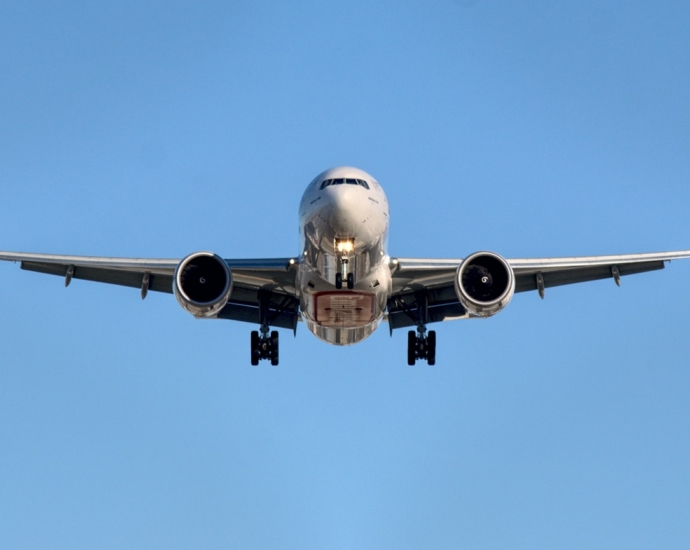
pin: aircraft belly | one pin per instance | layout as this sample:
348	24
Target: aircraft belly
341	336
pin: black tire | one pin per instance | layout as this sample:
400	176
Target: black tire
350	281
255	348
274	348
411	347
338	281
431	348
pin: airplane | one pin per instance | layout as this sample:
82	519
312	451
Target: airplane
343	283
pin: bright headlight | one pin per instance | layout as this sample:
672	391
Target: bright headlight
344	245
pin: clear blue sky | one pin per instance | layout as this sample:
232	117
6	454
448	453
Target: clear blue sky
155	129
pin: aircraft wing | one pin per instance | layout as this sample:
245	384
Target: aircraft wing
435	277
272	276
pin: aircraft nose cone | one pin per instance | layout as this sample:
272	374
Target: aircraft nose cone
349	209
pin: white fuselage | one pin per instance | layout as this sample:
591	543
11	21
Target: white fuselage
343	225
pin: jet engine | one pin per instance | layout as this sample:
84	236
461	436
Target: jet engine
202	284
484	283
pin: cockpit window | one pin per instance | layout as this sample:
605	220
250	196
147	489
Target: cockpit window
340	181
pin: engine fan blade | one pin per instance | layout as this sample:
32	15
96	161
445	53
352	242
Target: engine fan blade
478	281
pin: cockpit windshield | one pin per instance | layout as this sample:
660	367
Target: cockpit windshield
341	181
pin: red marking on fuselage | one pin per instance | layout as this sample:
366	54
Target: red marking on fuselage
343	308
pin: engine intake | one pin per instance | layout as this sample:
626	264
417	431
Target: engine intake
202	284
484	283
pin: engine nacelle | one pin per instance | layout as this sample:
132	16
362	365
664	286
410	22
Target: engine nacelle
484	283
202	284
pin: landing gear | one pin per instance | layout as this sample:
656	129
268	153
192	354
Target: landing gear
344	276
350	278
264	347
431	348
411	347
420	346
274	348
256	348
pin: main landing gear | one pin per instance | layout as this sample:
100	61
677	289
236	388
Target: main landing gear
420	346
264	346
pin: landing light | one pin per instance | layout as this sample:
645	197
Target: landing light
344	245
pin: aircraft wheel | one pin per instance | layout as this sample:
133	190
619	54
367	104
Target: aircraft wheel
411	347
274	348
350	281
338	281
431	348
255	347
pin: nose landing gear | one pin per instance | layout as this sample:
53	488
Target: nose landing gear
344	275
420	346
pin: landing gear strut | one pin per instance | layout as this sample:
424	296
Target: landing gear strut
264	346
420	346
